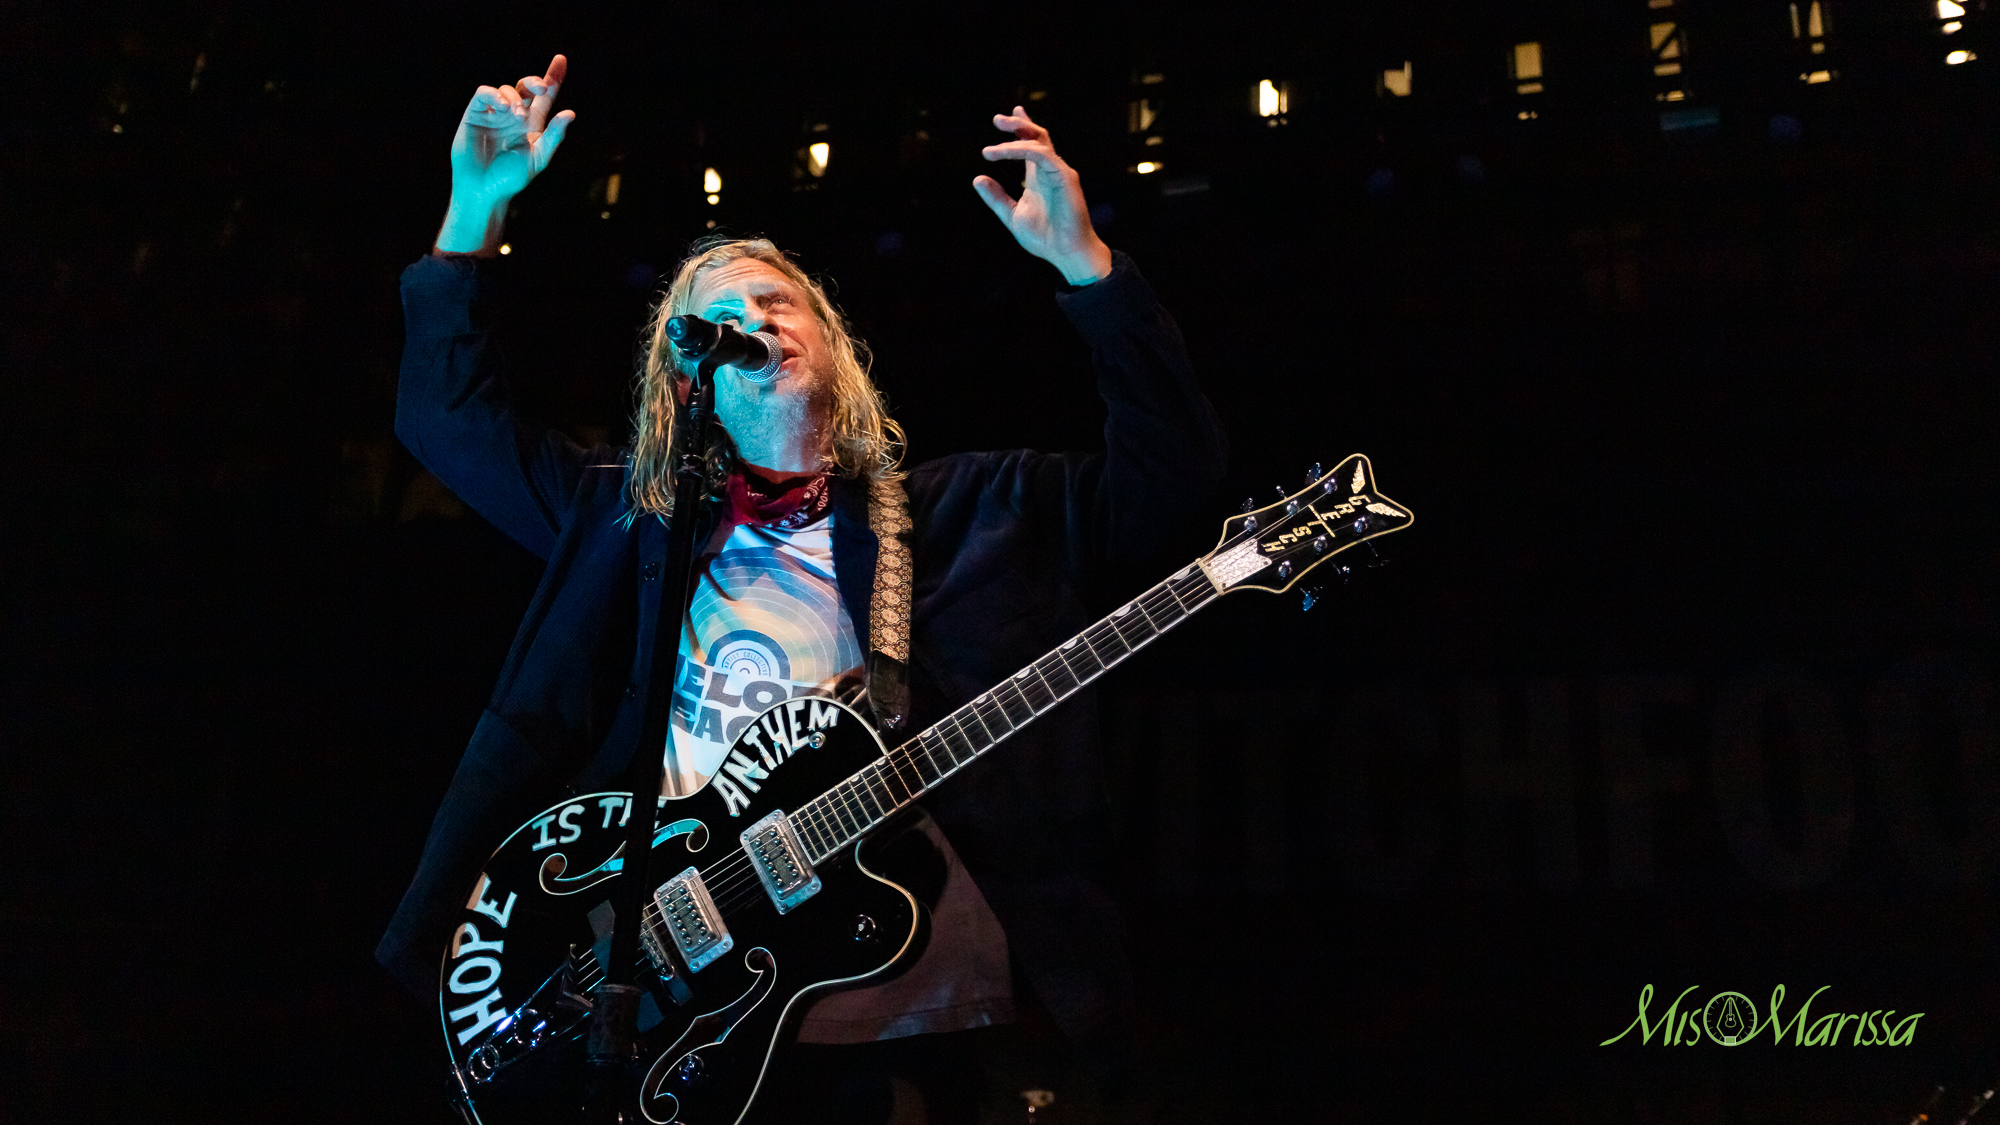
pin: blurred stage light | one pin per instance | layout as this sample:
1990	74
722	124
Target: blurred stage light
711	180
506	248
1271	98
1397	82
817	155
1957	57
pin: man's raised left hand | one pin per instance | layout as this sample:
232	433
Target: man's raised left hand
1050	220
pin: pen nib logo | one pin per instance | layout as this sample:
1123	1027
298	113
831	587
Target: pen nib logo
1729	1018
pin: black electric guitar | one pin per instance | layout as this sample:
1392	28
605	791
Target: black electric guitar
772	903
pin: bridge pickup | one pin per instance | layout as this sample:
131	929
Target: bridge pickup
665	975
692	920
781	861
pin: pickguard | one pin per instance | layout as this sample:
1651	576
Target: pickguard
683	1060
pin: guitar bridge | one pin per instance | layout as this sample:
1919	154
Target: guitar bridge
692	920
781	861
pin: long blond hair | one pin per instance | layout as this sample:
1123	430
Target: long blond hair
867	443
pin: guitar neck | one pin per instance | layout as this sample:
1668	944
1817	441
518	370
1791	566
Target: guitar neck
851	809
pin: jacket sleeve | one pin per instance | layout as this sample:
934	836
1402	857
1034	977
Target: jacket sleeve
454	413
1164	447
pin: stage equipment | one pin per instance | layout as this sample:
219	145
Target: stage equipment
754	355
771	902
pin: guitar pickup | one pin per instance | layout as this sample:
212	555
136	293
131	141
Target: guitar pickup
781	861
692	920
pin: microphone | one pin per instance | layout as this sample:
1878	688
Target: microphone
754	355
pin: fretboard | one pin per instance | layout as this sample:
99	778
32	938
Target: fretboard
872	794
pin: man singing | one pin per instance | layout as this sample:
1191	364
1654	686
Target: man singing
822	568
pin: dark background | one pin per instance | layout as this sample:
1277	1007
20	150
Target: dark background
1683	677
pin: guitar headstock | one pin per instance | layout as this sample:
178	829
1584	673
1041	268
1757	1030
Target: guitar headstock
1272	547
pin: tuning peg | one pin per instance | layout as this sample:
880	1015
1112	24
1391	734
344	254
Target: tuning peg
1308	598
1375	557
1281	491
1312	474
1249	502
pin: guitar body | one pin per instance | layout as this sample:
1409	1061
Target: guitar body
708	1038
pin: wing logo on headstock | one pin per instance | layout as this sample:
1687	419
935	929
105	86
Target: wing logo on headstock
1277	544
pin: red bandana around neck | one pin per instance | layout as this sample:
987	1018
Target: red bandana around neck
758	500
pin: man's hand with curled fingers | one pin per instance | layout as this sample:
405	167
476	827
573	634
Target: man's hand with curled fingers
504	140
1050	220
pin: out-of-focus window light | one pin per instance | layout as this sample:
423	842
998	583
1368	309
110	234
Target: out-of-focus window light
1957	57
1272	98
1140	115
711	181
1815	25
1817	77
1668	47
611	186
506	248
1146	167
817	154
1951	11
714	198
1397	82
1527	68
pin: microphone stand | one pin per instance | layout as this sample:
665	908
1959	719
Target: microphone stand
609	1089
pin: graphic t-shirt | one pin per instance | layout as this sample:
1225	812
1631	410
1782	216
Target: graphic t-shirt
765	624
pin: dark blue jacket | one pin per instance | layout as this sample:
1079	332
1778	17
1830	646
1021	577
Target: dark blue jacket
1008	548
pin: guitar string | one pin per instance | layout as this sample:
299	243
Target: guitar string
734	883
731	888
734	876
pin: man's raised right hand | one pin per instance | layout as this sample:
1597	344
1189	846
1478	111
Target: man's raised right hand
504	141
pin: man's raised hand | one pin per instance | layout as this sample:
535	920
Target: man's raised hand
504	140
1050	220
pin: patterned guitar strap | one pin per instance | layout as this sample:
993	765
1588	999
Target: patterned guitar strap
887	669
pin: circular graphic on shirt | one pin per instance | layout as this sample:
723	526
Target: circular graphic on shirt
764	613
750	654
